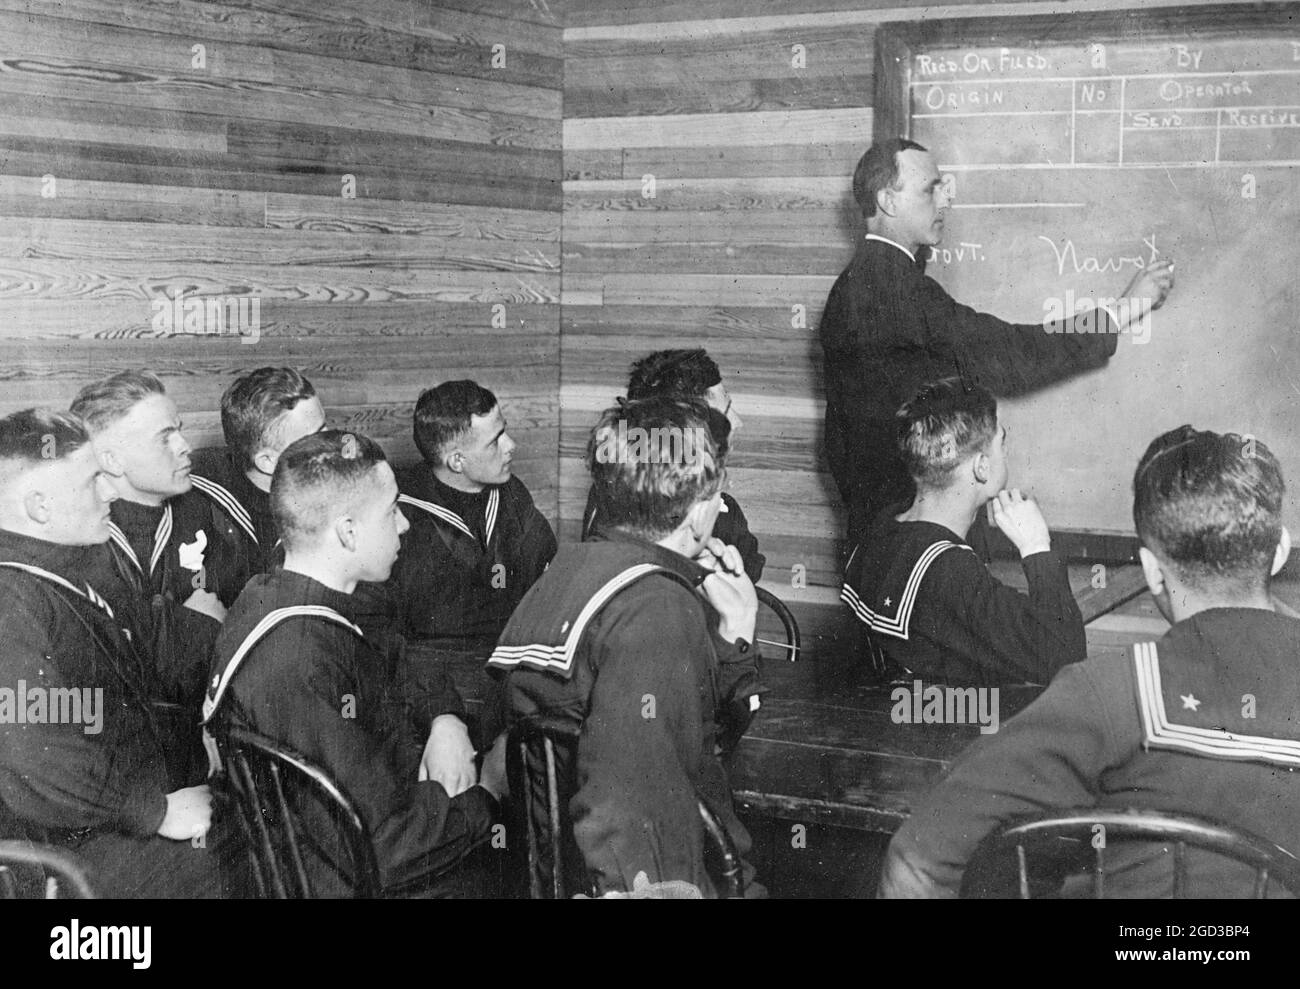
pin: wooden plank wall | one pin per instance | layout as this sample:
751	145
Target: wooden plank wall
751	143
132	170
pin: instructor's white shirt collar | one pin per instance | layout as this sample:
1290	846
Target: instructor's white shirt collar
894	242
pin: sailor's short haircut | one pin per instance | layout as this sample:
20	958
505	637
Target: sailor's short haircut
37	436
102	403
252	409
1210	505
652	460
673	373
444	415
317	479
943	424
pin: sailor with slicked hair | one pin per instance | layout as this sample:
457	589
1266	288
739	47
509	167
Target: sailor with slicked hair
262	412
173	550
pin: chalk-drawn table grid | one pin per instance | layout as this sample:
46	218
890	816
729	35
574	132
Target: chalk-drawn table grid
1123	119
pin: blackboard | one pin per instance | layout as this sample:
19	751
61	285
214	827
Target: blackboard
1080	146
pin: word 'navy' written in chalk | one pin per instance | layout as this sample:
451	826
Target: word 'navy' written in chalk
1093	264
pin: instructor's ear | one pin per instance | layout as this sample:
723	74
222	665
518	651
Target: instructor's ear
1282	552
885	201
981	468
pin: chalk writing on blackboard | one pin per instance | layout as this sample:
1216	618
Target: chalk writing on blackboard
1138	106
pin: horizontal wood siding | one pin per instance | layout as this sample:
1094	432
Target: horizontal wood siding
228	179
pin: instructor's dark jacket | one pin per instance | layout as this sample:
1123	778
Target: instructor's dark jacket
888	328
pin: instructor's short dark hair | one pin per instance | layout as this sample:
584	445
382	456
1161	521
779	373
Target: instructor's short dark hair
1210	505
878	169
943	424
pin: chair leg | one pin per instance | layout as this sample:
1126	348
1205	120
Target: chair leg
266	860
291	834
530	827
553	810
1180	870
1261	882
1099	873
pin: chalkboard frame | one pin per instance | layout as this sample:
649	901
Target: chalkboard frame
898	41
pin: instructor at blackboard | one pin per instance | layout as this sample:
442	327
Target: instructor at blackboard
888	328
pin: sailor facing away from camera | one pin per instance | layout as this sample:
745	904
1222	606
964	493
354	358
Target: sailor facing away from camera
918	590
642	637
1201	722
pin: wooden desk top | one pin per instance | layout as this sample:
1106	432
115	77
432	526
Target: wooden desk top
824	748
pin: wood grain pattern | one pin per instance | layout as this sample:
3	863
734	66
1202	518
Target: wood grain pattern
226	180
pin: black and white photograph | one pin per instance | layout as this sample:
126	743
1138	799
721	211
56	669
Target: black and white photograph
505	450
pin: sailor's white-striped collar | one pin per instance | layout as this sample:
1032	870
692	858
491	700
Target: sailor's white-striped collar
89	593
161	536
1159	732
232	505
897	625
455	521
559	658
217	689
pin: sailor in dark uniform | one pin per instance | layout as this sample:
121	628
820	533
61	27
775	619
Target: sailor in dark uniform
642	636
82	758
1201	722
916	588
293	664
